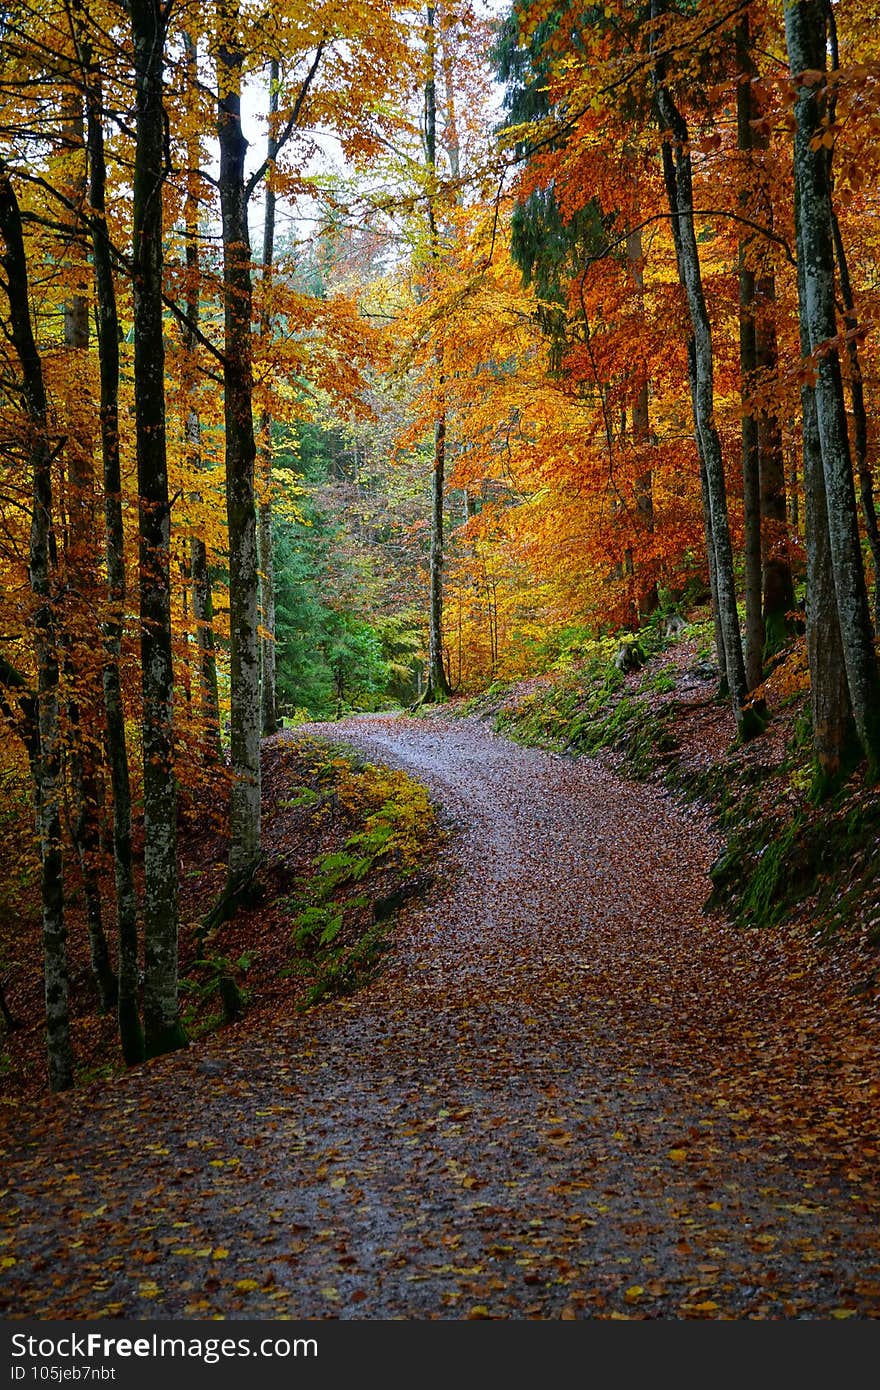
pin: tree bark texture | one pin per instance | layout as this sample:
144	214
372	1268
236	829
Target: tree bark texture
161	1022
244	819
128	1007
268	698
829	695
437	686
805	40
679	189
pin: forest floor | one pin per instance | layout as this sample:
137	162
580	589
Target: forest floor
570	1093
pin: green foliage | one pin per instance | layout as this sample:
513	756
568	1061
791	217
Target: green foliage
220	978
342	642
582	708
339	946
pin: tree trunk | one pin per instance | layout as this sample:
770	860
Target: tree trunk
679	189
268	698
641	430
829	695
437	685
47	783
720	656
860	415
161	1022
857	389
81	559
805	39
130	1033
748	360
778	584
754	651
199	571
244	820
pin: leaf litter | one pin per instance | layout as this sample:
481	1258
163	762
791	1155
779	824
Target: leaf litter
569	1094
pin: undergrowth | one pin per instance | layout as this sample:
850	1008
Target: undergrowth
339	932
370	828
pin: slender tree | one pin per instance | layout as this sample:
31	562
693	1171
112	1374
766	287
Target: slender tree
199	569
244	660
268	701
437	683
42	558
678	179
107	319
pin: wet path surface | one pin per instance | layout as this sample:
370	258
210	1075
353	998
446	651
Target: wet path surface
570	1094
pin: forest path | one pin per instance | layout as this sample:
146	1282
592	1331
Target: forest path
569	1094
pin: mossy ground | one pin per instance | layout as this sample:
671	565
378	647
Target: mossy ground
345	843
790	857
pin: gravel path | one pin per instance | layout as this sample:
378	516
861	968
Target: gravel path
570	1094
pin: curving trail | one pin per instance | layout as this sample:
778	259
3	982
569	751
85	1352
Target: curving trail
570	1094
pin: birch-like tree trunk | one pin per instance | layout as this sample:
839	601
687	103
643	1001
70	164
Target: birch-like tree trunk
163	1031
720	656
805	39
829	696
47	764
864	471
679	190
244	819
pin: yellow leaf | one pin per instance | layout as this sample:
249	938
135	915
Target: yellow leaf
338	1182
246	1285
331	1293
7	1261
678	1155
479	1310
633	1293
221	1253
707	1306
843	1312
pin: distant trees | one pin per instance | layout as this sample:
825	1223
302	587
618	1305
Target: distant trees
600	76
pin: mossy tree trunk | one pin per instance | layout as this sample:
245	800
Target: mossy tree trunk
162	1027
679	190
805	33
